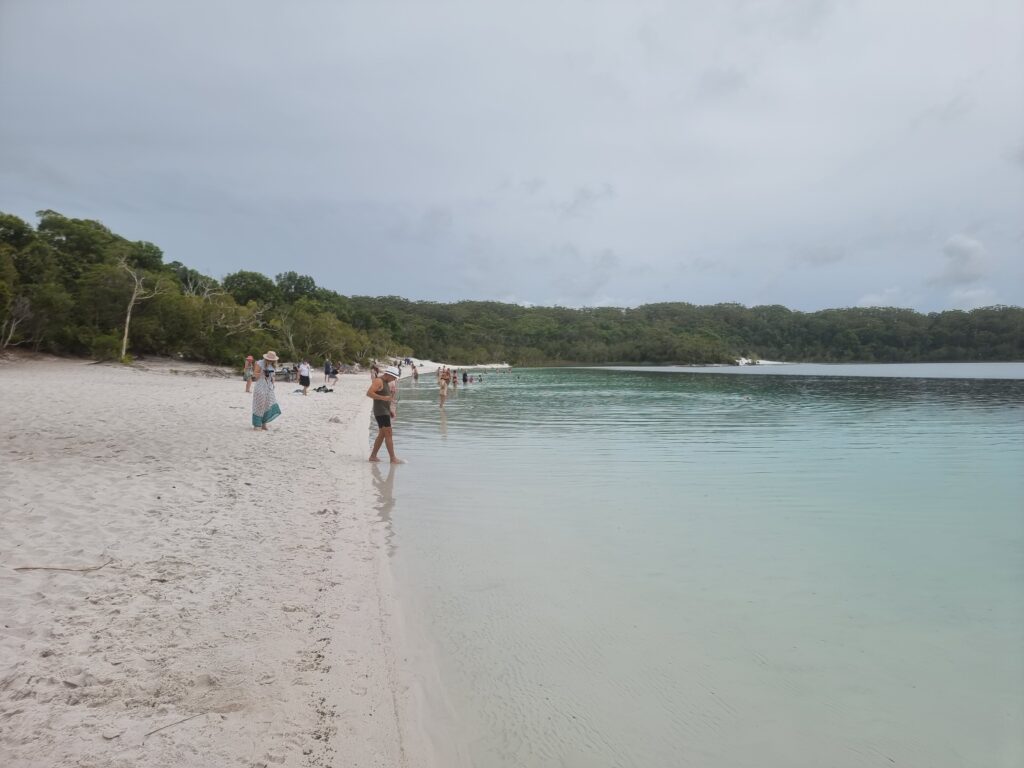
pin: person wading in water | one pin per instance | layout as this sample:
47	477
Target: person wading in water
383	397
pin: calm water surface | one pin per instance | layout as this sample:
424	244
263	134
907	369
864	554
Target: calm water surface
654	568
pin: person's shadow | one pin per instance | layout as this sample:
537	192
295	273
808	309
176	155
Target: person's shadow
385	487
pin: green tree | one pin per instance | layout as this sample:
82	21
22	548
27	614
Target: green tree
292	286
245	286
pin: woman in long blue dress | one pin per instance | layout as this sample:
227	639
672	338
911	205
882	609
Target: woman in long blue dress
264	402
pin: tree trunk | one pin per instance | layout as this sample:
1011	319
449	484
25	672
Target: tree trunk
127	322
20	311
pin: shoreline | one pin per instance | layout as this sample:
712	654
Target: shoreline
241	606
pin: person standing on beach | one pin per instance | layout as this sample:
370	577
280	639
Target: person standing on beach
247	373
383	397
305	371
327	370
264	402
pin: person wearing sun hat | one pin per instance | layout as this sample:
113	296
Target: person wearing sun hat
247	372
264	402
383	396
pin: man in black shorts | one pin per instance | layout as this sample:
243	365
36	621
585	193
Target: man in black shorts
383	397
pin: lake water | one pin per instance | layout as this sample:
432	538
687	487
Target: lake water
667	568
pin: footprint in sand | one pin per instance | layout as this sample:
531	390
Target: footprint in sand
75	677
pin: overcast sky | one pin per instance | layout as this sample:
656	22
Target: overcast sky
812	153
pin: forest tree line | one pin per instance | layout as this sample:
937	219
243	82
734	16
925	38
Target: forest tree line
71	286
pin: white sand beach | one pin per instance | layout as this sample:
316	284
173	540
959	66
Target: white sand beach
178	589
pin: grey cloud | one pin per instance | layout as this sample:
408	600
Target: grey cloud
584	200
790	18
711	152
819	255
966	261
403	228
513	185
648	38
888	297
947	111
720	82
581	275
436	224
972	298
533	185
699	264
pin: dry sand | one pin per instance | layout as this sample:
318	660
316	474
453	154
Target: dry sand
237	608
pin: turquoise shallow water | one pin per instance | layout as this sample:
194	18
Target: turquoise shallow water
652	568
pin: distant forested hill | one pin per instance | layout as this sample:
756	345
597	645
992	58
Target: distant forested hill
686	333
71	286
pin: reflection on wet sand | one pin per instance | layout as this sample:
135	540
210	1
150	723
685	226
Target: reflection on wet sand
385	487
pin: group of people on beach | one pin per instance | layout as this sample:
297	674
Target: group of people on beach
383	391
259	379
303	372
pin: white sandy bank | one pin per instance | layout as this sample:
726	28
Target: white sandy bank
236	613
